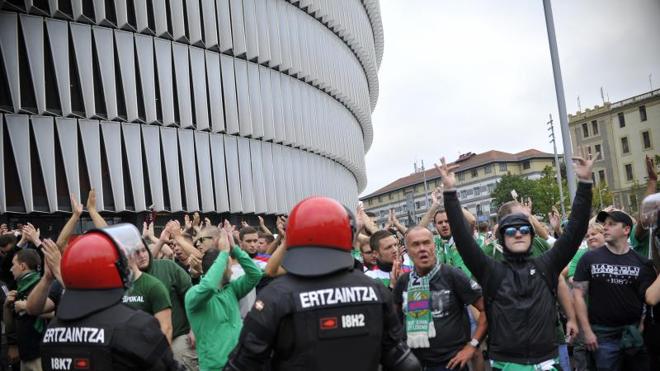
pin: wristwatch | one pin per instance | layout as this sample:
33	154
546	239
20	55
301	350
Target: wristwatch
474	343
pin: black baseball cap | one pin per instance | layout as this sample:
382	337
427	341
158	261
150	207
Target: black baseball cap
616	215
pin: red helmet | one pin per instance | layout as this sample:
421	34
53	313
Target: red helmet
319	237
91	262
95	270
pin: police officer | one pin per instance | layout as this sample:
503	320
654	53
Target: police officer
93	329
322	315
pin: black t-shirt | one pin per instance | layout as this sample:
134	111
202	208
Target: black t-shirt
55	292
451	292
617	284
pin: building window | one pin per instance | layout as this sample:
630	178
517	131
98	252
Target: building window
389	196
622	120
526	164
629	172
589	150
503	166
624	145
380	199
598	151
491	187
601	176
461	177
479	212
463	194
594	127
642	113
646	139
488	169
585	130
475	173
477	191
369	201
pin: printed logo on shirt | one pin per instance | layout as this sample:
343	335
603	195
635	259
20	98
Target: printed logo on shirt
328	323
339	295
74	335
133	299
615	274
66	363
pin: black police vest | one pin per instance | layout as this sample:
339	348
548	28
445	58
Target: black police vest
86	343
336	324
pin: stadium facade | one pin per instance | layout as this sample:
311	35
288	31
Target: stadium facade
227	106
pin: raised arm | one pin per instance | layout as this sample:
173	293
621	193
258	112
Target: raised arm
70	226
473	257
252	275
436	195
98	220
578	221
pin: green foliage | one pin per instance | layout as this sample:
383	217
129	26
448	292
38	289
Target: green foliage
543	191
602	197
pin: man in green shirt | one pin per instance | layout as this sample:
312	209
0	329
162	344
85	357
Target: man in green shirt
149	295
177	281
212	305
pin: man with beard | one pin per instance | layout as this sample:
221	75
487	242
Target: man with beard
388	266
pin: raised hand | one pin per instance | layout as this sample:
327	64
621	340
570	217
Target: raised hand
447	173
91	200
436	196
583	165
244	224
223	241
32	234
650	169
261	220
52	257
281	226
527	205
76	207
197	220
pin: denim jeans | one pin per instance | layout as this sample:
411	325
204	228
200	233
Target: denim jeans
610	357
564	360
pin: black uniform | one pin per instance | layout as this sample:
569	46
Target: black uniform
520	291
341	321
115	338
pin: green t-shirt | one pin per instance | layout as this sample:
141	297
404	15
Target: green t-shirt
147	294
177	281
574	262
641	247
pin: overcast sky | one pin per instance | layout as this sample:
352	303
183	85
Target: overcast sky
471	76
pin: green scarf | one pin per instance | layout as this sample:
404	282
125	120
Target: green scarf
24	285
419	319
439	249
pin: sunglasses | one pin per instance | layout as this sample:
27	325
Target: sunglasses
523	229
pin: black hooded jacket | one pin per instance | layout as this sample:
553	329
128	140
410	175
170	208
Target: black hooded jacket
519	292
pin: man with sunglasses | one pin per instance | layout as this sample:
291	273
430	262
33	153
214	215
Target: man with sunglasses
520	291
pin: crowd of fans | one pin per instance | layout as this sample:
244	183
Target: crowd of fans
527	293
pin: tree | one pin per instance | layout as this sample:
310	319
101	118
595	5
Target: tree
602	197
502	192
543	191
